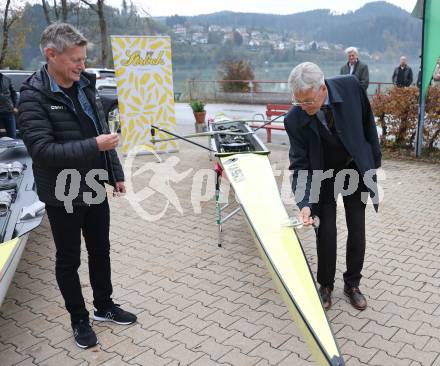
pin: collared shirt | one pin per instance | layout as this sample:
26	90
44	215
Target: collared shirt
85	103
335	153
321	115
352	68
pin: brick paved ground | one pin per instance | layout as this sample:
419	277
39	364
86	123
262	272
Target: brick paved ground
201	305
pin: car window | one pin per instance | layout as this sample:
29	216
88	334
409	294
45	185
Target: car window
107	74
102	73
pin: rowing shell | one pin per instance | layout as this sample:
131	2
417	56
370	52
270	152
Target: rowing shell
10	254
24	213
253	181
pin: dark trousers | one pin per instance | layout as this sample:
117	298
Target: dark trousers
327	233
8	121
94	222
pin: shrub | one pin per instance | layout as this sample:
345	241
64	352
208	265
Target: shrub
397	113
237	70
432	118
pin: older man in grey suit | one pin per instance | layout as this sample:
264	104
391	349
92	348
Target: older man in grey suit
356	67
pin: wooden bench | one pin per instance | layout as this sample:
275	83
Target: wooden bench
272	110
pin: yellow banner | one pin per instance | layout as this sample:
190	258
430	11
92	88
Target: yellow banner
144	77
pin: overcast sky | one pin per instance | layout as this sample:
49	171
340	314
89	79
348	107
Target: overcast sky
195	7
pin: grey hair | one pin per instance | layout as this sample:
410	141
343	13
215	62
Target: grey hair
351	49
60	36
305	76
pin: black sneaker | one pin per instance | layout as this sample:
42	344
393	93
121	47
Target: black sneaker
84	335
115	314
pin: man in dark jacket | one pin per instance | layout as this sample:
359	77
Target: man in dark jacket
334	149
402	75
356	67
8	105
64	129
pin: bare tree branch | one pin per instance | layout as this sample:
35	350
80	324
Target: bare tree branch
5	31
55	9
99	9
46	11
148	20
64	10
92	6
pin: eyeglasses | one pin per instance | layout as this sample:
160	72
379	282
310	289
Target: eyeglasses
307	103
304	104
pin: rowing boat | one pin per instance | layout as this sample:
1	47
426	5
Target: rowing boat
20	209
246	165
243	160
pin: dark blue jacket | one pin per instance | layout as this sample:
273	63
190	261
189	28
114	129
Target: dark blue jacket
355	125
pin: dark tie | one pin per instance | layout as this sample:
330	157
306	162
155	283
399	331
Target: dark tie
329	117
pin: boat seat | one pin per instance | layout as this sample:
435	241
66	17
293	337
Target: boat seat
5	202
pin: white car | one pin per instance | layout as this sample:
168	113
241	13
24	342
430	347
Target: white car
106	86
105	78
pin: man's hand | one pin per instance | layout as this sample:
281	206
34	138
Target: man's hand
119	189
305	215
107	142
15	110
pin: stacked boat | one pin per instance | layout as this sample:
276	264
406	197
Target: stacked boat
20	209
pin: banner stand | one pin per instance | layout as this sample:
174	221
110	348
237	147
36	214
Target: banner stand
144	78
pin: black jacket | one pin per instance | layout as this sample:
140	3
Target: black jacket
355	125
360	71
407	76
8	96
53	136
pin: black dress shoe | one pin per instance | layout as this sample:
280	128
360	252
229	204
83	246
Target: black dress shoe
326	296
356	298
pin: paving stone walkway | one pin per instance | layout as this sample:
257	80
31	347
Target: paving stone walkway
201	305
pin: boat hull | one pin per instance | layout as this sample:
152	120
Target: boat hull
252	179
10	254
23	212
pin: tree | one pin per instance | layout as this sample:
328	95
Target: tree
46	11
175	20
10	16
149	22
64	11
98	8
237	70
215	37
237	38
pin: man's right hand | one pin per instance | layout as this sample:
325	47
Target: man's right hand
107	142
305	215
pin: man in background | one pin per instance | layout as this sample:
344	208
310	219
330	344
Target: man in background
8	105
356	67
402	75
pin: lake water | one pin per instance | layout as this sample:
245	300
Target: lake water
379	72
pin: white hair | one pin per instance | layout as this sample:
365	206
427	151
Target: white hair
305	76
351	49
